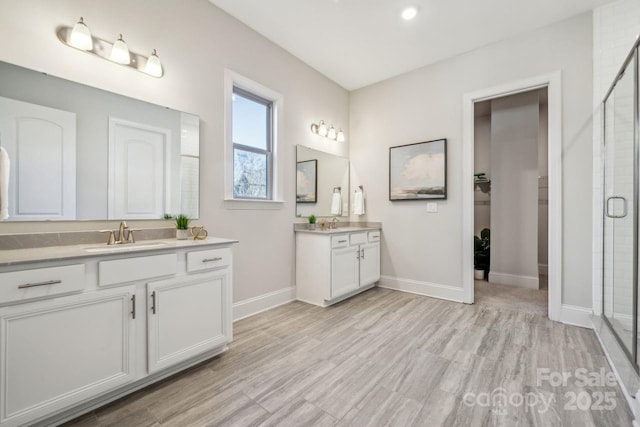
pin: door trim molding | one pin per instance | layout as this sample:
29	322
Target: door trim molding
553	83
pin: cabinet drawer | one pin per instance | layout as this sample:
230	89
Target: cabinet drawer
374	236
339	241
41	282
358	238
209	259
136	268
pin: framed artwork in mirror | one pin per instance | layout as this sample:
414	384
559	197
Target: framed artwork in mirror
307	181
418	171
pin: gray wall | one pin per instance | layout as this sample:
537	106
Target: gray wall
426	104
514	185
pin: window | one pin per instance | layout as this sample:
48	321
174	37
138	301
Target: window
252	136
253	126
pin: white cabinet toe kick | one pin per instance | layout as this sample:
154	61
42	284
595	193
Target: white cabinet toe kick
336	266
78	333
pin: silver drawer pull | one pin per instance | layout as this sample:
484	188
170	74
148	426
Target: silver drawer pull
33	285
342	241
212	259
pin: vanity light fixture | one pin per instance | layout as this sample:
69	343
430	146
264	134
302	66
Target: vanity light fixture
328	132
120	52
81	36
117	52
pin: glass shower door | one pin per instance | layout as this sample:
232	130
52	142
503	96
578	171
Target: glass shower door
620	223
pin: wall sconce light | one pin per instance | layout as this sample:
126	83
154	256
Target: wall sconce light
153	66
328	132
80	38
322	128
120	52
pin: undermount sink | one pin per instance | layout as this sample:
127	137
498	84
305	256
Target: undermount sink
125	248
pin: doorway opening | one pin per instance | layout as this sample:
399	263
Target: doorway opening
511	201
553	83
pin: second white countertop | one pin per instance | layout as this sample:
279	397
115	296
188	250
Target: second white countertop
337	230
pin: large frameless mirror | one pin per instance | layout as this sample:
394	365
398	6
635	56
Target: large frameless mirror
322	183
81	153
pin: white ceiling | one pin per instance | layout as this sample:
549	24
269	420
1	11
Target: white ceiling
360	42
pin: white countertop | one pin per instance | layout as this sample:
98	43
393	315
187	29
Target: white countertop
60	253
337	230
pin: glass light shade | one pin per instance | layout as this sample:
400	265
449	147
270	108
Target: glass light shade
120	52
340	136
81	36
153	67
322	128
332	133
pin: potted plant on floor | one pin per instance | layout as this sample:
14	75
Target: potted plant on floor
482	254
182	227
312	222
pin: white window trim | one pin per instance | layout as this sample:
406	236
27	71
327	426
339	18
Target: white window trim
231	79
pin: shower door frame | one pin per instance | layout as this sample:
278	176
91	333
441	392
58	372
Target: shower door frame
632	56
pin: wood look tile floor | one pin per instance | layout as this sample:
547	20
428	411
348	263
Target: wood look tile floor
385	358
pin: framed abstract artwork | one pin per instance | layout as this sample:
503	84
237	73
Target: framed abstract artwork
307	181
418	171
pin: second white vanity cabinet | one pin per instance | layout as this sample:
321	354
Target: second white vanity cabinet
331	266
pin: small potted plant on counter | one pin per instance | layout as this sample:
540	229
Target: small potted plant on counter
312	222
182	227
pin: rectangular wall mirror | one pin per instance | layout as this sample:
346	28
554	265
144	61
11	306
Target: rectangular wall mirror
81	153
322	183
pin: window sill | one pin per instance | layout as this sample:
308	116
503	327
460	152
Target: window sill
244	204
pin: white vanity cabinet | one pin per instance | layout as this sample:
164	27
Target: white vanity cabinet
76	335
333	266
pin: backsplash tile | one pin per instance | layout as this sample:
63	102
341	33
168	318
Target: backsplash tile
39	240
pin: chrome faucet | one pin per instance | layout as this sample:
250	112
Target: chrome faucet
334	223
123	231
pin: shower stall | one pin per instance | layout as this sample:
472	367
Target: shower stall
620	217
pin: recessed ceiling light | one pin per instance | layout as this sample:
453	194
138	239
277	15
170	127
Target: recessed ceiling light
409	13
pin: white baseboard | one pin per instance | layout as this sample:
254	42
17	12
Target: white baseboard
576	316
530	282
543	269
451	293
255	305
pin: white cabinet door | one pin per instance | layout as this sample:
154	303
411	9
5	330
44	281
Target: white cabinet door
187	316
344	271
369	263
64	350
